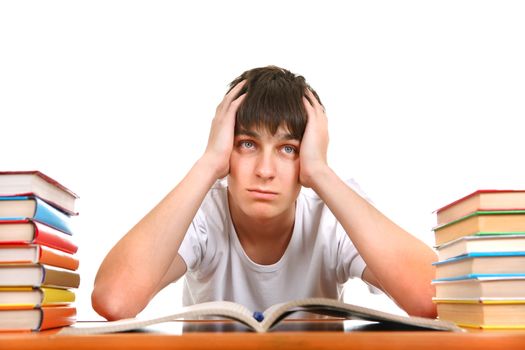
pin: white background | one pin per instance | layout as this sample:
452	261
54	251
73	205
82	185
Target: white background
114	99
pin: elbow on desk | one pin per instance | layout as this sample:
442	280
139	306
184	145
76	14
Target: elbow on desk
112	305
424	308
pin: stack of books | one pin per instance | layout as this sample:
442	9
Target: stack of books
37	255
480	275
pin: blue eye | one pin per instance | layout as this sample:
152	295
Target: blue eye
247	144
289	149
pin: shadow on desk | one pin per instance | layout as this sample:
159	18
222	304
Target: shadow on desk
288	326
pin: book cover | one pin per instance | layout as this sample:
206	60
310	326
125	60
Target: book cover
37	319
37	276
263	321
29	297
481	244
17	208
479	287
27	231
33	254
482	223
488	314
481	263
481	275
481	200
23	183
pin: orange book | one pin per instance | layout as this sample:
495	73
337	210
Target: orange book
37	319
34	253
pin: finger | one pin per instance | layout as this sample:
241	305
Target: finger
310	110
315	103
229	97
232	94
236	103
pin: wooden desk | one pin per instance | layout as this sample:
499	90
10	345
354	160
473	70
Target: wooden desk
303	335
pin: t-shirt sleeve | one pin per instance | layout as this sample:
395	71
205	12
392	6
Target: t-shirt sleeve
352	263
193	246
357	267
349	263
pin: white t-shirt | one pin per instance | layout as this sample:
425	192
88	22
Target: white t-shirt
319	259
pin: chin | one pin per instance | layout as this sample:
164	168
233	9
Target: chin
262	212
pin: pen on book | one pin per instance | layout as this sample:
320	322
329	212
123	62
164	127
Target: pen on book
258	316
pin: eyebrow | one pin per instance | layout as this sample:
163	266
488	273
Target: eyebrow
254	134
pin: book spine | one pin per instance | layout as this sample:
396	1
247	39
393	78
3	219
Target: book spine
56	258
53	238
52	216
55	296
59	278
57	316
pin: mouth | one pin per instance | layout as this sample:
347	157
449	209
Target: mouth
262	194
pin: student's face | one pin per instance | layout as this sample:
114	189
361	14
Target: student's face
264	173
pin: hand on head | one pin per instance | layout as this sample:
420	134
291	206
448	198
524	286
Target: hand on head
314	145
220	140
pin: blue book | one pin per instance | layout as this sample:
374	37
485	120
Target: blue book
479	255
21	207
483	264
482	276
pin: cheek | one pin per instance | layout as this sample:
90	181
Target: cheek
239	168
292	184
291	171
289	178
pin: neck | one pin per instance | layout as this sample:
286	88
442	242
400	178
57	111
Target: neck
263	240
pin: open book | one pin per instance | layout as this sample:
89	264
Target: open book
262	322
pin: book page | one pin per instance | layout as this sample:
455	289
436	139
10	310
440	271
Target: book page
337	308
224	309
272	316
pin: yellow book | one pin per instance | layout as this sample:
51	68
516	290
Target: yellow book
28	298
485	314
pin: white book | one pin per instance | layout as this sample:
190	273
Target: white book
262	322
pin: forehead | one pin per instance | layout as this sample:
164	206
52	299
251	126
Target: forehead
281	133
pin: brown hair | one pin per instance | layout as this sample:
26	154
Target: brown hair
273	99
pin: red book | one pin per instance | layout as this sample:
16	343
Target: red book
16	232
23	183
481	200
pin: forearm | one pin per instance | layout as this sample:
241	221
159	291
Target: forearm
401	263
146	258
133	269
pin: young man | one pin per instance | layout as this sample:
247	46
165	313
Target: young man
260	239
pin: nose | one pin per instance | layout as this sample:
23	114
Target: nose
265	167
